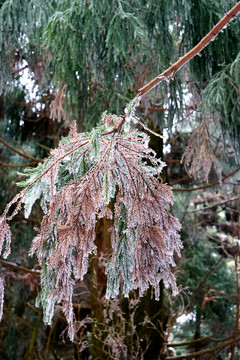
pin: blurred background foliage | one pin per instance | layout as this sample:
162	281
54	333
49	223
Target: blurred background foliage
71	60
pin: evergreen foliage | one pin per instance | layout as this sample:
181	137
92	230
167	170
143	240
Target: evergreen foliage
96	33
221	95
143	238
99	198
213	300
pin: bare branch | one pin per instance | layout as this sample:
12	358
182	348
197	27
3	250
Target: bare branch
19	268
3	164
25	155
207	276
205	339
170	72
151	108
208	185
214	205
201	352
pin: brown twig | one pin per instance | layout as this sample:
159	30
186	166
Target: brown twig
170	72
185	177
205	339
172	161
201	352
235	88
45	147
19	268
151	108
208	185
3	164
34	336
22	320
214	205
25	155
199	286
19	70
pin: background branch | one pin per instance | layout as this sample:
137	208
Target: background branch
201	352
3	164
207	185
170	72
19	268
27	156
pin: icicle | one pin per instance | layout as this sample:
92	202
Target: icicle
1	297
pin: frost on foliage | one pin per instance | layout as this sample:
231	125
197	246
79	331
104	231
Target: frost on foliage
130	111
34	192
75	186
46	297
122	258
1	297
5	236
199	158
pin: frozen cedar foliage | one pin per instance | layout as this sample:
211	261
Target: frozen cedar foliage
75	185
199	157
1	297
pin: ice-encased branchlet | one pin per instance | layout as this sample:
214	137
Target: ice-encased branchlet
130	112
69	227
44	180
85	173
155	231
46	298
122	262
198	157
5	235
1	297
109	188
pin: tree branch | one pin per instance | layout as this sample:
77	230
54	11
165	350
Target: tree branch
34	336
208	185
201	352
170	72
19	268
3	164
204	339
207	276
214	205
151	108
22	320
25	155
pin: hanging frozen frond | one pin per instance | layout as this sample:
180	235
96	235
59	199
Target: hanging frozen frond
222	96
198	157
75	186
1	297
5	236
122	261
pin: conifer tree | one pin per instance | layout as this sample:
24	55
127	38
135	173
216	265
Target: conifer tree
110	171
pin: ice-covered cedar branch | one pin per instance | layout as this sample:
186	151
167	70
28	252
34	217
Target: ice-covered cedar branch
198	157
76	184
1	297
170	72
